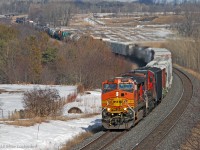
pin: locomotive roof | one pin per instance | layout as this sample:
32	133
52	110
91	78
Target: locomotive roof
138	79
154	69
145	69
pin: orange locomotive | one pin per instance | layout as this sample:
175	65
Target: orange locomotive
127	99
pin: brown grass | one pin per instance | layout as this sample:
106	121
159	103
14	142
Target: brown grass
28	122
193	141
76	140
120	21
63	118
168	19
4	119
194	73
79	138
15	116
185	52
2	90
33	121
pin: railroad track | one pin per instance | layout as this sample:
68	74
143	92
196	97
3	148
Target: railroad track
104	141
158	134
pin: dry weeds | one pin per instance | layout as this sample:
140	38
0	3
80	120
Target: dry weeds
168	19
79	138
194	73
2	90
4	119
193	142
185	52
64	118
76	140
120	21
33	121
27	122
15	116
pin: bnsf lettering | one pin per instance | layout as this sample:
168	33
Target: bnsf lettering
117	101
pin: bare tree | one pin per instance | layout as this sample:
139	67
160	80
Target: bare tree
53	13
190	26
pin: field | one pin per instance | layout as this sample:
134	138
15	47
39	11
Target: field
125	28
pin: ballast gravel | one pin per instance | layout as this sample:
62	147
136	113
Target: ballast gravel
181	131
145	126
149	123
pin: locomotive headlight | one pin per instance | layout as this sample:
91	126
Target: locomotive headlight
125	109
117	94
108	109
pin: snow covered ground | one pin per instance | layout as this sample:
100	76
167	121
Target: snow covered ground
87	103
42	136
51	135
12	98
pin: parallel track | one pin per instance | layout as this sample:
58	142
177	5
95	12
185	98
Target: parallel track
104	141
159	133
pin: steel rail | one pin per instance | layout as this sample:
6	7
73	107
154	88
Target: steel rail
157	135
104	141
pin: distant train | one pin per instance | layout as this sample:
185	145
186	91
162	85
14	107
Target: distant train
57	33
130	97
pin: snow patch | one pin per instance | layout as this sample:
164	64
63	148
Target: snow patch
51	135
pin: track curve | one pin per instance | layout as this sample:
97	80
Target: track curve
159	133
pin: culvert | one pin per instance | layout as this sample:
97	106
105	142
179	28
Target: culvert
75	110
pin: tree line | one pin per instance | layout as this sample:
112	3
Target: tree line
185	47
58	13
29	56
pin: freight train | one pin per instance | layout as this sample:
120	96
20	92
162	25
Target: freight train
57	33
130	97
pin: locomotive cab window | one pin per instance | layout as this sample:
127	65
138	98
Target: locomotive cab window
126	87
109	87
